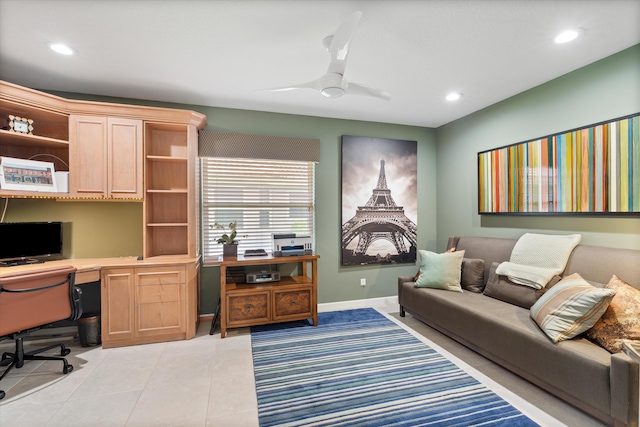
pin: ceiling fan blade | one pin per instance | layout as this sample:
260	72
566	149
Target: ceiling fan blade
358	89
315	84
340	43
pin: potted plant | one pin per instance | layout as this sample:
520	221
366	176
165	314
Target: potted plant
228	239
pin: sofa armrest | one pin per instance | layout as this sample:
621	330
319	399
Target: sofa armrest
401	280
624	382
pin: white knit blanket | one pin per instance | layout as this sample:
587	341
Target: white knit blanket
536	258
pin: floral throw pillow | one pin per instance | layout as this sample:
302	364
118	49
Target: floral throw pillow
621	320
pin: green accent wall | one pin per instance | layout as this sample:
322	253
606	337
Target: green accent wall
447	187
336	283
604	90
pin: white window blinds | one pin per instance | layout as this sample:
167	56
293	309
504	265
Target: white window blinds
263	196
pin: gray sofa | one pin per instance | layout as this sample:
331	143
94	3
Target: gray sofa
578	371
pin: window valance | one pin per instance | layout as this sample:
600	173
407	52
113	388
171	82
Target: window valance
248	146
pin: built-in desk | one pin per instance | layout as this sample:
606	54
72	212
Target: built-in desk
142	301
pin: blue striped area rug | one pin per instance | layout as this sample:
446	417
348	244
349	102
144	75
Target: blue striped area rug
358	368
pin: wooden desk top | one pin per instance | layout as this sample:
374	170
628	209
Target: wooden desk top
88	269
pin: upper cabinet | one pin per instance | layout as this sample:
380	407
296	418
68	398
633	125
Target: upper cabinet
49	140
100	144
114	152
105	157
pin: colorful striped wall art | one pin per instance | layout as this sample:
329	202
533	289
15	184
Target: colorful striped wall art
590	170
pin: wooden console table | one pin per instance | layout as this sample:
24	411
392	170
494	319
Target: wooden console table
249	304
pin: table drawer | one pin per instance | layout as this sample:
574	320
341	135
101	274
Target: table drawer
292	303
248	308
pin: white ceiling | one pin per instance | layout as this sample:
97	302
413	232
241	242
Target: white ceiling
221	53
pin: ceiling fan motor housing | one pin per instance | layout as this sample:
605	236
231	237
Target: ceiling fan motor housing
333	85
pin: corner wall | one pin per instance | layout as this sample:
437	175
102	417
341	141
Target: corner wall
604	90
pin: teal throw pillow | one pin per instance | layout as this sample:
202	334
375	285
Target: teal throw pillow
440	271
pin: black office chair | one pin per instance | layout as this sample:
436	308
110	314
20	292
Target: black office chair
30	300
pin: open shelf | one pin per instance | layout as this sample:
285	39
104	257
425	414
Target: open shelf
166	175
165	240
46	123
169	187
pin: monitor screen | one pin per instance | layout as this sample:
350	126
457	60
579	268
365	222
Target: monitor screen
30	240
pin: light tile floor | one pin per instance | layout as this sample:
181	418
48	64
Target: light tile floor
206	381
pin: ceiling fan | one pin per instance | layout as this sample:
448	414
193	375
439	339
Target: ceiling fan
333	84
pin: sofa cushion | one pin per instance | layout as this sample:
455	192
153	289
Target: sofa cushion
570	307
472	278
621	320
506	334
440	271
500	287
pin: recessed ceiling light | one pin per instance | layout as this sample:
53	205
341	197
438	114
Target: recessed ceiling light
453	96
567	36
61	48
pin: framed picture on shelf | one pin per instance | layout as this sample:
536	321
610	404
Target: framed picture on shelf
27	175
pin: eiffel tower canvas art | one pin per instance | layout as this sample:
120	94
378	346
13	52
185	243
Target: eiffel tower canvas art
379	201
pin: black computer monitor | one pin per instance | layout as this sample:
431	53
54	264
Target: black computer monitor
29	242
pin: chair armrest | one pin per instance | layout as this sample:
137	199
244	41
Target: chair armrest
76	306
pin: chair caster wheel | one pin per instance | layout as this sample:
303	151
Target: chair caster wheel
67	369
65	352
1	394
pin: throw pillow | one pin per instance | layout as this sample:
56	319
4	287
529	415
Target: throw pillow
472	278
417	276
440	271
621	320
500	287
570	307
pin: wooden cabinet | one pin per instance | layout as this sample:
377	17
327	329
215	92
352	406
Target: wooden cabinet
102	146
122	151
291	298
105	157
170	201
117	304
149	304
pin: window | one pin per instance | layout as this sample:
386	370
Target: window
263	196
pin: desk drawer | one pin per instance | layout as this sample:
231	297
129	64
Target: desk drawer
160	318
160	293
160	275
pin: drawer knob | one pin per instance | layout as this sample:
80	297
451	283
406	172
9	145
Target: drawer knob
293	303
248	306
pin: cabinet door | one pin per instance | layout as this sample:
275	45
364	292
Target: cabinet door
292	303
117	303
160	301
124	158
88	156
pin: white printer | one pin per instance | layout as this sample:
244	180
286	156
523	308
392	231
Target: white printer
291	245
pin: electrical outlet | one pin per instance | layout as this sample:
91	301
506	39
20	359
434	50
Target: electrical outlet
363	282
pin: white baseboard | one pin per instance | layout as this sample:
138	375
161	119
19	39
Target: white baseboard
359	303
